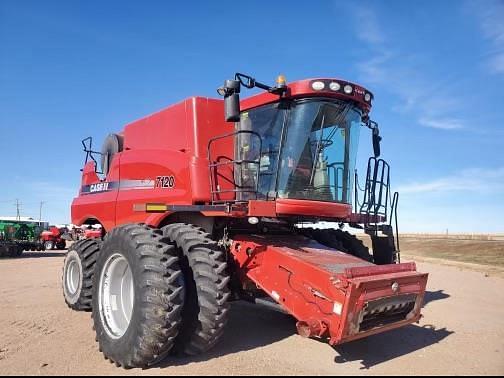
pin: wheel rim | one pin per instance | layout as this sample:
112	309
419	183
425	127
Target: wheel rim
73	277
117	294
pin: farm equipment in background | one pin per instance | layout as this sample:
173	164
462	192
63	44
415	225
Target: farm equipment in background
19	236
211	201
92	232
55	238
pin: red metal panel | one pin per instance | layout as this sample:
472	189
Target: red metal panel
262	209
164	130
147	166
313	208
100	206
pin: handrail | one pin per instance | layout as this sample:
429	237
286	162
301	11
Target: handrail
214	165
90	153
378	200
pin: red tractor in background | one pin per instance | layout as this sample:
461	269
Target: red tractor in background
211	201
54	238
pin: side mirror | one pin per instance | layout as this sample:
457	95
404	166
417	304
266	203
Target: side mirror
377	142
232	107
231	93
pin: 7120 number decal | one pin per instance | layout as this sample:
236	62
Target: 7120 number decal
165	182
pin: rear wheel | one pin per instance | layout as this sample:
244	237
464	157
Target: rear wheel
206	280
78	272
137	296
61	245
49	245
14	250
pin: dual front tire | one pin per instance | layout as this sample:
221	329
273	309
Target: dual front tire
153	292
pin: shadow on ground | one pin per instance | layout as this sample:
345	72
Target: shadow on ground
377	349
250	327
387	346
40	255
433	296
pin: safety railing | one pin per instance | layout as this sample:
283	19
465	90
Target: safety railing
378	201
236	182
87	145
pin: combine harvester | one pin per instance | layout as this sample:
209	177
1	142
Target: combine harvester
211	201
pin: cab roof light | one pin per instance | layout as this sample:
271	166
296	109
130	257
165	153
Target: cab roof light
334	86
318	85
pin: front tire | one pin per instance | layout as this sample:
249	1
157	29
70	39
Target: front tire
49	245
206	280
137	296
342	241
78	272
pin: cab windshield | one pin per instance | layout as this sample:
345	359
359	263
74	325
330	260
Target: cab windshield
303	149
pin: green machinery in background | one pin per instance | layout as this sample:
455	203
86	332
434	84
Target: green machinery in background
19	236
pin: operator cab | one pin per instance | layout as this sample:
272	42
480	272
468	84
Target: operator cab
297	142
306	149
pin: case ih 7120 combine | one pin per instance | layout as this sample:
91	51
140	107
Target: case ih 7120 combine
211	201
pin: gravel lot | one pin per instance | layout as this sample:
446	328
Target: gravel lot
462	333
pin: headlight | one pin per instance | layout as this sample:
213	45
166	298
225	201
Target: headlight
318	85
253	220
367	97
348	89
335	86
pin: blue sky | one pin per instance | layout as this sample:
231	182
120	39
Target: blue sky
70	69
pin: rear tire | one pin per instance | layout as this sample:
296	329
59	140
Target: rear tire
49	245
206	308
149	293
78	273
14	250
61	245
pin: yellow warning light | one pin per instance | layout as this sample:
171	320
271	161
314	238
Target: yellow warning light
281	81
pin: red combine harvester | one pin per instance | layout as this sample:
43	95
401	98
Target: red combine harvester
211	201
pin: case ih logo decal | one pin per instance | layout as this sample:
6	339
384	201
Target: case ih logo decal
101	187
161	182
165	182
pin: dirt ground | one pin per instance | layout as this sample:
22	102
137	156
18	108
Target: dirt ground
462	333
490	253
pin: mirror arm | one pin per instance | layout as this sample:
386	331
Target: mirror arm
231	93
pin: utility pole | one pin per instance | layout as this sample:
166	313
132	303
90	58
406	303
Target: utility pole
40	213
18	210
